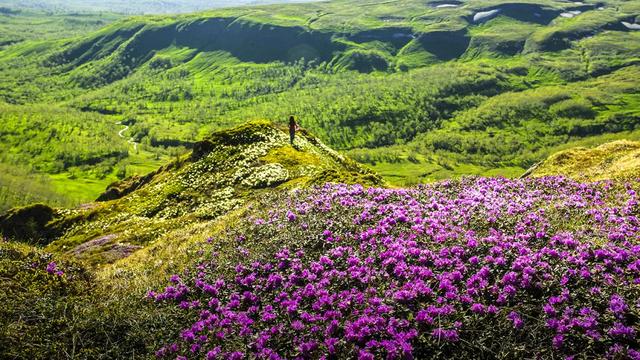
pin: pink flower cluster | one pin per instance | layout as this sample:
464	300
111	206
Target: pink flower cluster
454	269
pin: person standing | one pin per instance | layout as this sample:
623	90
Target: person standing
293	126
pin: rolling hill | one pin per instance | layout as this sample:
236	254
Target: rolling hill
132	7
616	160
220	175
178	221
419	91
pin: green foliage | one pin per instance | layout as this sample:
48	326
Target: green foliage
72	138
618	160
427	81
36	311
362	61
19	186
18	25
45	315
222	174
415	92
516	129
128	6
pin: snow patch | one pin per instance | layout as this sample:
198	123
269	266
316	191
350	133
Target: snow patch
570	14
631	26
485	15
402	35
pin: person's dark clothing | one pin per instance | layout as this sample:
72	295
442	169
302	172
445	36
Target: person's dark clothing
292	130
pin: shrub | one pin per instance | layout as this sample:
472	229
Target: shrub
476	268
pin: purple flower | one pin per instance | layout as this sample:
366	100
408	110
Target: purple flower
365	355
558	341
478	308
445	334
617	304
52	268
399	264
515	319
619	330
549	309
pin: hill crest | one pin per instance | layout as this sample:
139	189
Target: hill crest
219	176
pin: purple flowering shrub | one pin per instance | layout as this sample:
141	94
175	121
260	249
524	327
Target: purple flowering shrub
472	268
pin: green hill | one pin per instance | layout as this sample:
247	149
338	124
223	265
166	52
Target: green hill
235	229
220	175
108	253
175	219
418	91
131	7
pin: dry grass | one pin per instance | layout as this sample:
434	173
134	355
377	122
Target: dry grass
615	160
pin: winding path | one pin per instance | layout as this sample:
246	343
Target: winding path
121	134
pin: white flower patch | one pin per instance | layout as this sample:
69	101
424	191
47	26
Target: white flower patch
307	170
266	175
170	212
220	202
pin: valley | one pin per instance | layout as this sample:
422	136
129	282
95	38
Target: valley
174	79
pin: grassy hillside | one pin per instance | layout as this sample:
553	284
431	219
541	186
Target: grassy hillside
222	173
417	91
614	160
17	24
478	268
458	269
219	239
66	280
244	238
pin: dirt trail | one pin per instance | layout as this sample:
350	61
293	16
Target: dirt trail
121	134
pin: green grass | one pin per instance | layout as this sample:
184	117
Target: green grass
408	173
20	25
617	160
512	93
222	174
80	190
128	6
